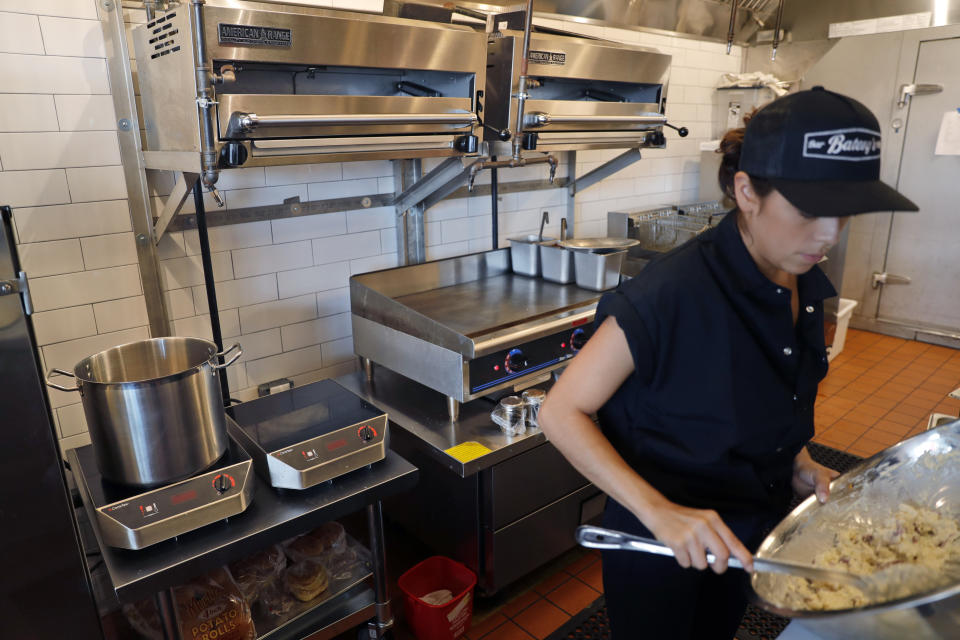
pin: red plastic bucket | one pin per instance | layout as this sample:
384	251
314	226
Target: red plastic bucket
438	622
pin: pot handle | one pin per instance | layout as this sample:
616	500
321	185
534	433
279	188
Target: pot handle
213	361
60	372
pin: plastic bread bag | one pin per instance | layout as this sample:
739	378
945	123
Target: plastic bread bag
144	619
340	564
275	600
258	569
305	547
212	606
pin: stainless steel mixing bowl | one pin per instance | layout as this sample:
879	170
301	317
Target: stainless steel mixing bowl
922	471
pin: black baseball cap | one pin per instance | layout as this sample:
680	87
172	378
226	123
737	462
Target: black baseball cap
821	150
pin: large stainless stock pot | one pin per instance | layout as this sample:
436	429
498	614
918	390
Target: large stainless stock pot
154	408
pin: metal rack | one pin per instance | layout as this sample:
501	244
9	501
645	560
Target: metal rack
273	516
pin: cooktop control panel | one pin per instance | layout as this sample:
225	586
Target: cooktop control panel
308	435
134	518
508	364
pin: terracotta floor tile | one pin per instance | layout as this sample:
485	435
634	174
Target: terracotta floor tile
883	403
826	439
889	426
573	596
913	410
843	404
900	418
579	565
841	439
857	418
479	629
873	411
541	619
886	439
928	395
593	576
897	387
518	604
508	631
550	583
947	407
865	448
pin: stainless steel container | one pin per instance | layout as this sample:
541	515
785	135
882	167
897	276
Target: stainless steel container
525	254
923	471
556	263
154	408
598	270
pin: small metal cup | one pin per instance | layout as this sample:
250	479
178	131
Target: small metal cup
512	413
532	399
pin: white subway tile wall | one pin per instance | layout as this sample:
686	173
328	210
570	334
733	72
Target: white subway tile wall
61	173
283	284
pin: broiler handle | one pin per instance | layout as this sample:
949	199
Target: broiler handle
247	122
539	119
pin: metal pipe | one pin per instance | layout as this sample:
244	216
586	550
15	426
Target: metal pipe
167	613
210	286
776	31
247	122
149	6
512	162
733	24
204	76
384	616
494	206
522	87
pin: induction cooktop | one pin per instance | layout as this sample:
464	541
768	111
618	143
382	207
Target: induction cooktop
308	435
135	517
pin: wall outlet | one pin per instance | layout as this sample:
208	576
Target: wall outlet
274	386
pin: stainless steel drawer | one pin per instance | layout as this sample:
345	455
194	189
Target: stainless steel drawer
527	482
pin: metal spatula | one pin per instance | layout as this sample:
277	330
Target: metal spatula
600	538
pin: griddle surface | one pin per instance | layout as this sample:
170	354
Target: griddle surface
480	306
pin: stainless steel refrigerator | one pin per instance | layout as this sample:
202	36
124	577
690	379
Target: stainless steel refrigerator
44	586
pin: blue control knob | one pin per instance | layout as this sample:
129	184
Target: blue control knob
515	361
577	339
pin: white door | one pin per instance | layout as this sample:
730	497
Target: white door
925	246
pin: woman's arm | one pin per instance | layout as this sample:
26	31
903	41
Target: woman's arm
589	381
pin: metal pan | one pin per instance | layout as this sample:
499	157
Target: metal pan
594	244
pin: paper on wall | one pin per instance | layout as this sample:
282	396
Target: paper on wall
948	140
880	25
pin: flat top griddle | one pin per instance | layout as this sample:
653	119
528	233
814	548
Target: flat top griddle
481	306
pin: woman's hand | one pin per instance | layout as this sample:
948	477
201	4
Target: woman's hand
810	477
691	533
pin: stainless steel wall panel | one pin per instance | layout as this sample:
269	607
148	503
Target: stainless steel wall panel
425	362
167	84
348	39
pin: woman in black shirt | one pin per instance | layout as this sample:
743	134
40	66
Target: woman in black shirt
703	370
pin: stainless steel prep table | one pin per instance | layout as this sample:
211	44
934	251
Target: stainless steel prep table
273	516
418	410
503	513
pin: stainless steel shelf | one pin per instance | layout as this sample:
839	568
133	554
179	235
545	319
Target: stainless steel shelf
421	411
318	609
273	516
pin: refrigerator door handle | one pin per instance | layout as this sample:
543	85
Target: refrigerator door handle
21	286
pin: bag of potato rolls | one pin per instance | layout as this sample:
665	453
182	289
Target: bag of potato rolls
212	608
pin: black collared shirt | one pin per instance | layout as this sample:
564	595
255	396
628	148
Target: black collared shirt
721	399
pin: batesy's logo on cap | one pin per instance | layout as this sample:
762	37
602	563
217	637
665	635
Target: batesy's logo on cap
852	145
